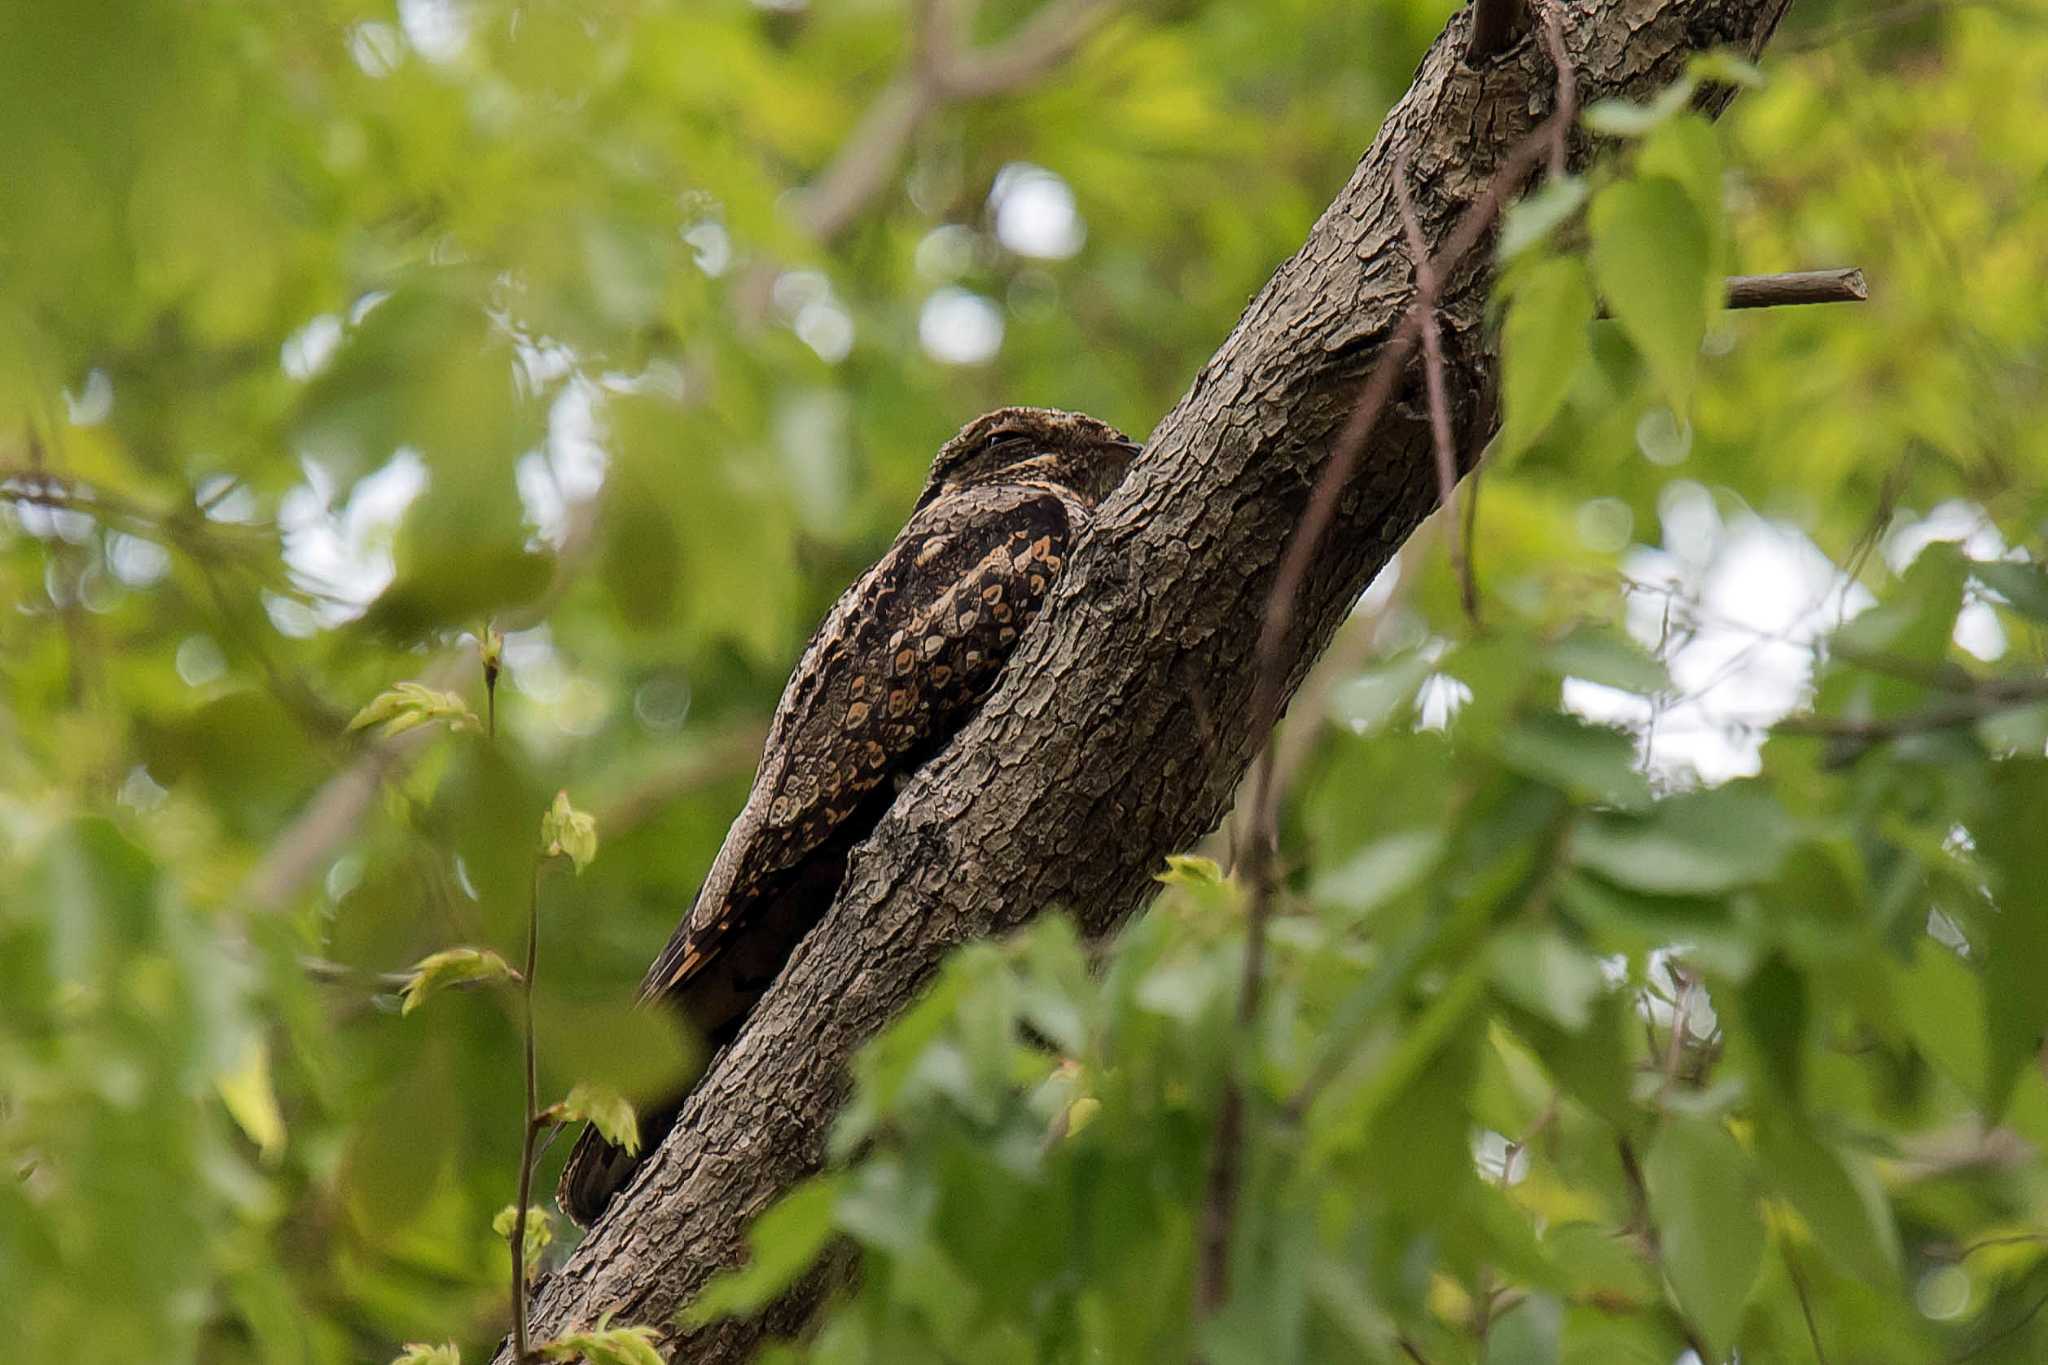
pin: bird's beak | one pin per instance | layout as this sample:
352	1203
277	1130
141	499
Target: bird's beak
1130	447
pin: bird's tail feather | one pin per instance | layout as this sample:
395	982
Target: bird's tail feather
598	1169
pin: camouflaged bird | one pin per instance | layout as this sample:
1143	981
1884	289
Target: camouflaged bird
903	660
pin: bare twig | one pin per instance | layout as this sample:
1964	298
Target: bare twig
327	822
1045	40
831	203
1948	714
1797	286
1820	1354
1643	1223
1794	287
938	73
1567	90
1379	390
2003	1333
1469	533
1969	1249
527	1129
1681	1010
327	970
1442	438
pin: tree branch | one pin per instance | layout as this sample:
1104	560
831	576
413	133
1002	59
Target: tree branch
1798	286
1081	772
938	73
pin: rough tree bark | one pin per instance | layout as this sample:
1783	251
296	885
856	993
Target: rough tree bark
1115	737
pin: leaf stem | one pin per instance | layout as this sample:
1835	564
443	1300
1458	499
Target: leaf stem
528	1128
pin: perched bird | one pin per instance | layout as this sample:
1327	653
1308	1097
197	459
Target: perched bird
902	661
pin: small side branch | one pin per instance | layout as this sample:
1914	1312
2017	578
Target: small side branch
1442	439
1797	286
1794	287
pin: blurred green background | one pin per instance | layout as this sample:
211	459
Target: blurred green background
330	330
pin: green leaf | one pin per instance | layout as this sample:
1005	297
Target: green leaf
1535	216
2023	586
1625	118
1703	1199
490	651
1190	869
1592	1064
1543	344
1694	844
2016	949
1774	1014
606	1110
1687	150
607	1346
568	832
1942	1009
1917	621
1365	704
453	967
410	705
1381	871
1843	1205
1590	763
887	1207
1526	1334
1182	989
784	1241
1540	970
642	564
540	1231
1652	257
251	1099
1724	66
417	1353
1610	659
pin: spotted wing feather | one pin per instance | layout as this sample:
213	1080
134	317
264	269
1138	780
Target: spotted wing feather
900	663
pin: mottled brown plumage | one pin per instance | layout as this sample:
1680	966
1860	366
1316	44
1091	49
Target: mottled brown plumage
900	663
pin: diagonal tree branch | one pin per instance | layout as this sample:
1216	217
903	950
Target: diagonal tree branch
1081	772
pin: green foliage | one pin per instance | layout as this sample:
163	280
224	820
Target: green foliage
540	1231
606	1346
566	832
410	705
453	967
328	331
417	1353
1551	1071
605	1109
1710	1235
1543	344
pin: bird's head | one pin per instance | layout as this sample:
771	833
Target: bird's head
1034	445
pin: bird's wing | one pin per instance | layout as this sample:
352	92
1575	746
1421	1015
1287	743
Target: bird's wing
902	660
